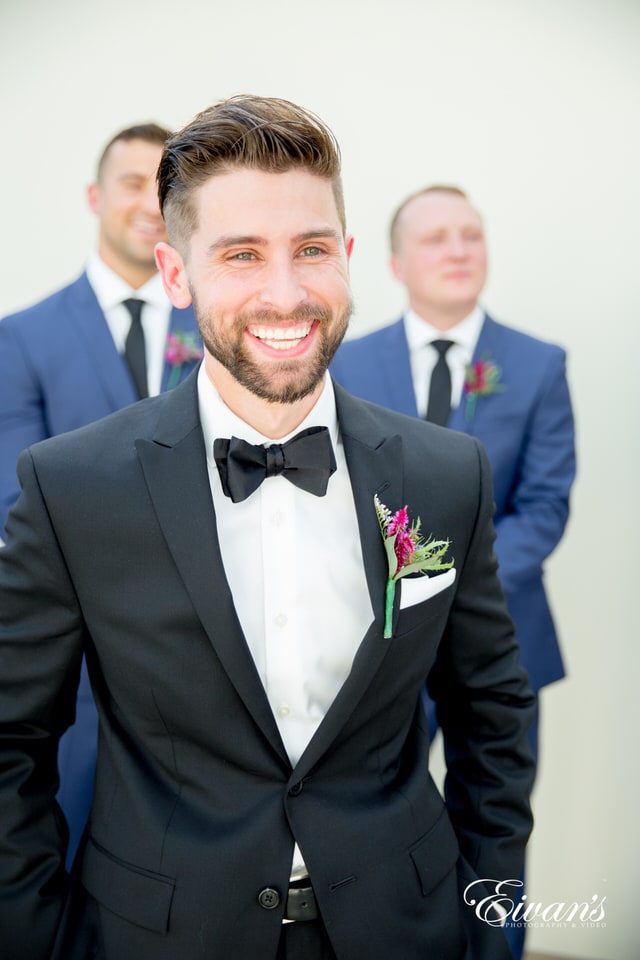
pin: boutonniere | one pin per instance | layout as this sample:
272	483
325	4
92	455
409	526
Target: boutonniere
181	348
482	379
406	552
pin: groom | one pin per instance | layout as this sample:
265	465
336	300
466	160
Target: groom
262	788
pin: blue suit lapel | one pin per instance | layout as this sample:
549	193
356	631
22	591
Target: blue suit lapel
91	327
395	375
487	346
181	322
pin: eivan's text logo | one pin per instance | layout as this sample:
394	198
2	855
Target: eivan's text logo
496	907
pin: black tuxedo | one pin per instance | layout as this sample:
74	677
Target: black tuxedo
112	550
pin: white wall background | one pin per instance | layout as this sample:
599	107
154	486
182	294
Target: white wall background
532	106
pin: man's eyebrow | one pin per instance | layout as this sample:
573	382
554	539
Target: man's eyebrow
241	239
235	240
322	233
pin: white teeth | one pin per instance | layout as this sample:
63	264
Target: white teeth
281	338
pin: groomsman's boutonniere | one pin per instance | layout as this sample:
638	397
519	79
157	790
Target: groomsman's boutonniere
406	552
482	379
181	348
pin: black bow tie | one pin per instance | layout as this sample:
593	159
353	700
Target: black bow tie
307	460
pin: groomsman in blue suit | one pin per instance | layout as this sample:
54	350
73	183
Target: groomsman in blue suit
93	347
448	361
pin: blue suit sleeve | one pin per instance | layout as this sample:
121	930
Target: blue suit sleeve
22	414
539	505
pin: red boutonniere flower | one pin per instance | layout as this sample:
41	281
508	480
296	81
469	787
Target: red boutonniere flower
181	348
482	379
406	552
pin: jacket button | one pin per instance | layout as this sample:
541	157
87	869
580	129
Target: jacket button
269	898
296	789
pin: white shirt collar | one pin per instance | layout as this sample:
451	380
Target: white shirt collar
219	421
110	289
465	333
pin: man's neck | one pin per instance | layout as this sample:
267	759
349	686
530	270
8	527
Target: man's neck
272	420
442	318
135	275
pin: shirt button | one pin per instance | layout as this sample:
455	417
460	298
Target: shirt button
281	620
283	711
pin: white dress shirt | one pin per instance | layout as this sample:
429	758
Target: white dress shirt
294	564
110	290
423	357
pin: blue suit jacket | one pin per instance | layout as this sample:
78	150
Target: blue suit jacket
527	431
59	369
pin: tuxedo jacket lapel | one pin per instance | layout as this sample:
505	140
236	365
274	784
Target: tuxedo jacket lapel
175	471
374	461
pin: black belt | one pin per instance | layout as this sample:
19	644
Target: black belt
301	903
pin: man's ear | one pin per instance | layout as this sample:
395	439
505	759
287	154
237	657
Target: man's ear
93	198
348	242
174	275
396	268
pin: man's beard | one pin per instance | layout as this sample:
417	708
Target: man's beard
286	381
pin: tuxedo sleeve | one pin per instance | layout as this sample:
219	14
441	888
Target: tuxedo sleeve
539	506
41	636
22	417
485	708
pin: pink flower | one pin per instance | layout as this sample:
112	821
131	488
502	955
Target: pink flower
482	379
404	548
180	348
399	521
406	552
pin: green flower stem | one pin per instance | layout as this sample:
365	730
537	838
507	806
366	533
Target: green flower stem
388	608
174	376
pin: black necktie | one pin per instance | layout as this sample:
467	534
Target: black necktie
307	460
134	349
439	405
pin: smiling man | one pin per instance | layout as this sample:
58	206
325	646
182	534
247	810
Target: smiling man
262	788
82	354
448	361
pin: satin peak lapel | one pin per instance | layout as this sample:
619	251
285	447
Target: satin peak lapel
374	461
175	470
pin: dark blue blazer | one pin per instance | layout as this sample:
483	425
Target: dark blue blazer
527	431
59	369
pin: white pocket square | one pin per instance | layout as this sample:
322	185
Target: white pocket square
417	589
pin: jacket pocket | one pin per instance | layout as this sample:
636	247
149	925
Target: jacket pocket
137	895
435	854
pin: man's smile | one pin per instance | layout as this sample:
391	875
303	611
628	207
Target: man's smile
281	337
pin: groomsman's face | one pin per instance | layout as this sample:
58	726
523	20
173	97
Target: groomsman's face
441	254
267	271
125	200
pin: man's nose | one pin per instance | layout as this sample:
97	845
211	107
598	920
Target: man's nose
457	247
282	289
150	202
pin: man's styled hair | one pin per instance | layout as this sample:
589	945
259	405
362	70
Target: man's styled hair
149	132
435	188
261	133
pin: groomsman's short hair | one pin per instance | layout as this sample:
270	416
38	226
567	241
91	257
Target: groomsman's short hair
259	133
149	132
434	188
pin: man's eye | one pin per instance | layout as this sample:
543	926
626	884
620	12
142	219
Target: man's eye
243	255
311	252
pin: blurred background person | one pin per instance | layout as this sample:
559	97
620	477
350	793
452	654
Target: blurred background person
108	339
448	361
